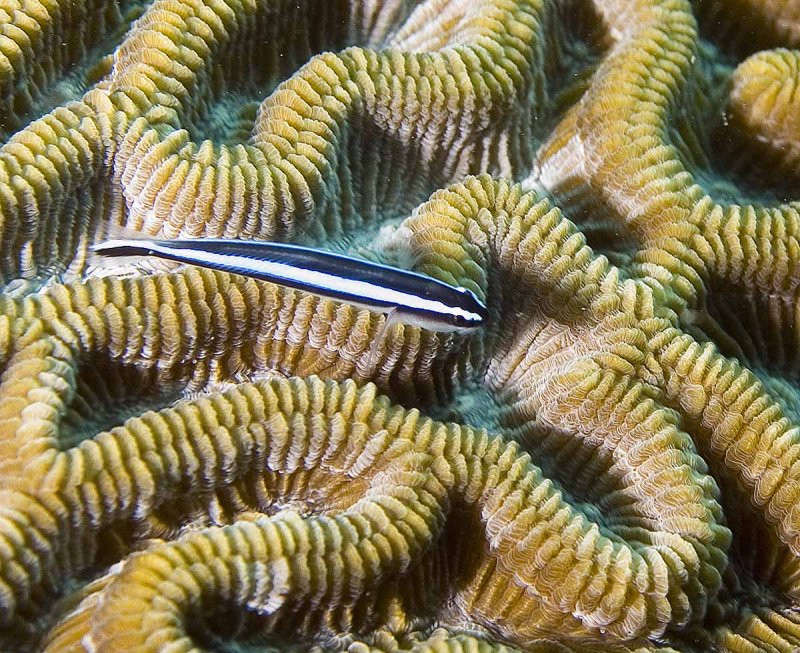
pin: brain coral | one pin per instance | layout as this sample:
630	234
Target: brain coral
192	460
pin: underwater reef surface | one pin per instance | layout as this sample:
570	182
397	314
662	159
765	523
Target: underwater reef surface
193	460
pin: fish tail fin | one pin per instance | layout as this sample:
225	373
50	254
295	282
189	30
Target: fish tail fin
117	246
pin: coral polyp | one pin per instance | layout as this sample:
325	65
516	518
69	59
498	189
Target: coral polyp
194	460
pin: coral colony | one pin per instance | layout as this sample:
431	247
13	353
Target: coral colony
192	459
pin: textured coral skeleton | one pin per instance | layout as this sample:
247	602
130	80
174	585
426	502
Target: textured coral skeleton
191	460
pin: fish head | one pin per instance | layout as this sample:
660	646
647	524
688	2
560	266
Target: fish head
466	314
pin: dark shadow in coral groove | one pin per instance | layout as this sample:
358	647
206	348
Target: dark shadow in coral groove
732	166
740	29
744	170
472	405
577	41
604	234
762	574
757	327
763	571
378	180
107	394
606	238
581	471
424	594
266	49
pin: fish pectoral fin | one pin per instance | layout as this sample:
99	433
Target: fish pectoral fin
392	318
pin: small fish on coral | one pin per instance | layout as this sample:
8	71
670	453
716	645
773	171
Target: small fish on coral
403	295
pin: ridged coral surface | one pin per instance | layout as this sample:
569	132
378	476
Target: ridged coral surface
192	460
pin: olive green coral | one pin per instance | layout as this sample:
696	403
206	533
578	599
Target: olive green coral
193	460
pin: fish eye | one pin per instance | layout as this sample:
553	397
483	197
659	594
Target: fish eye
466	321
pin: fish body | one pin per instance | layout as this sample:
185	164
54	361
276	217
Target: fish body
403	295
